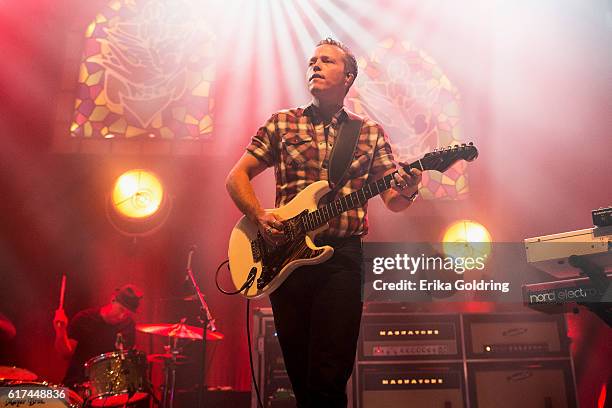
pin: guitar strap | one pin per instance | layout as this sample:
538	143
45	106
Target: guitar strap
342	153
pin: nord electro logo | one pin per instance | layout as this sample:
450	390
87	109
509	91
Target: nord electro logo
566	295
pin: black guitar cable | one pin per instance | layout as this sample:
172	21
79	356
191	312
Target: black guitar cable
247	284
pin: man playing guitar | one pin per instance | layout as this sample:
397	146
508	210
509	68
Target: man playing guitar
317	309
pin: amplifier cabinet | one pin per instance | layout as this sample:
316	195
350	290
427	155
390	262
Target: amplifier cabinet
272	379
388	337
397	385
511	335
525	384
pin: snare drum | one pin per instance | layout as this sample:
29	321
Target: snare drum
116	378
70	398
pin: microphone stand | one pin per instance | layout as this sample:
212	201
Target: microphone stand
206	319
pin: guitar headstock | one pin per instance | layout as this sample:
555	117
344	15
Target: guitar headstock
442	159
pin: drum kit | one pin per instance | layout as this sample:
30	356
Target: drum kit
120	378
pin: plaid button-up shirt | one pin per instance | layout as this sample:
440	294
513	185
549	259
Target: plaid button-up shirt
294	141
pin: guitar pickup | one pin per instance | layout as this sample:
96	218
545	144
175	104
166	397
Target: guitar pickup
255	249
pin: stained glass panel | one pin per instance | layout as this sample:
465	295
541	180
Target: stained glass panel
147	70
404	89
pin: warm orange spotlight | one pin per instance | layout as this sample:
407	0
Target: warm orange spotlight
138	202
137	194
465	238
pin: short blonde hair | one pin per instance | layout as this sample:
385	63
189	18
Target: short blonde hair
350	63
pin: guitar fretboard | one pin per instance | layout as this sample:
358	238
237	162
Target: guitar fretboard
439	160
322	215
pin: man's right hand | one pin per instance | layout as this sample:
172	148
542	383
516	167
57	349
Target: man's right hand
64	345
60	321
271	227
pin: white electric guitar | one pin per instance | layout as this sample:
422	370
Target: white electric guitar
259	267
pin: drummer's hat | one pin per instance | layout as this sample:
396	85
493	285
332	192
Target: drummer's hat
128	296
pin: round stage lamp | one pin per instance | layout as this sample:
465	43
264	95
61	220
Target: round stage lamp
138	203
137	194
466	239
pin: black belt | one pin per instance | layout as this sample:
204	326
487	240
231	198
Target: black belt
337	241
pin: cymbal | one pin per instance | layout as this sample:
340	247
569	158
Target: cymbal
16	373
180	330
162	357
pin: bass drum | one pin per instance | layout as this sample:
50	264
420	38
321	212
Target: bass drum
116	379
71	399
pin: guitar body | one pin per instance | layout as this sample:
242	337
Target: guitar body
248	250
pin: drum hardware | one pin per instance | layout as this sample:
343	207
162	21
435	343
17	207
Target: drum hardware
172	356
170	364
206	319
162	357
116	379
179	330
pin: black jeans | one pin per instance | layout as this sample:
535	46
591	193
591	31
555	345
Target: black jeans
317	312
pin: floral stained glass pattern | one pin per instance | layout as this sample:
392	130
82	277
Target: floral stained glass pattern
402	88
147	70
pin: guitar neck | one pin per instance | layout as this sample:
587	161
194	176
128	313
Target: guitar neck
439	160
322	215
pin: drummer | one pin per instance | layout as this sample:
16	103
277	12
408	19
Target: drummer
96	331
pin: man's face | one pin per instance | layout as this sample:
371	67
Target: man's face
118	313
326	74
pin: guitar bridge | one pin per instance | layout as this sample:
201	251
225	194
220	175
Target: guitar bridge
267	274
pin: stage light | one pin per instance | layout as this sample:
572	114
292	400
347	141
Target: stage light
137	194
138	203
467	239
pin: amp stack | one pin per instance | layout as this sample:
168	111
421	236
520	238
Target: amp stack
268	364
463	360
501	360
409	360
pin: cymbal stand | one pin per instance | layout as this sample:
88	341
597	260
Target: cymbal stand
208	323
170	372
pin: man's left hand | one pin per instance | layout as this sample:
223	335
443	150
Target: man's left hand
406	183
